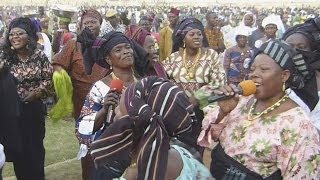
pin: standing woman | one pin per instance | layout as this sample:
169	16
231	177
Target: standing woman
145	40
71	60
193	65
116	51
33	72
266	135
237	58
304	37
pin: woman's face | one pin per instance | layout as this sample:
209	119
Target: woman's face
248	20
93	24
271	30
18	38
268	77
146	25
149	46
299	41
121	56
242	40
193	39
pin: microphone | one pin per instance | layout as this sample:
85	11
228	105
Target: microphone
116	85
245	88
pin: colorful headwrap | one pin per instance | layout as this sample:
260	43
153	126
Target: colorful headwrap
91	13
137	34
290	59
37	23
64	20
157	110
183	28
94	50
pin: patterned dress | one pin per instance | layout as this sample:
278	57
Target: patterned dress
208	71
93	103
287	141
35	72
236	64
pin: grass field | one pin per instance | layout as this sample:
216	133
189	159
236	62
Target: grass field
61	150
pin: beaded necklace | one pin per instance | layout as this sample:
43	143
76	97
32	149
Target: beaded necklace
190	67
253	116
113	76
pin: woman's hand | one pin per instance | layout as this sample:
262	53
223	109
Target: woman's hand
33	95
227	105
111	99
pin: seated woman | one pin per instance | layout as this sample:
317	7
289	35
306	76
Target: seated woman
113	50
267	135
150	113
304	37
145	40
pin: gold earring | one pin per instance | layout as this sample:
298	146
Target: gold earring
284	86
12	47
184	44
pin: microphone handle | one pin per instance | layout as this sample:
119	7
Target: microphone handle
218	98
222	97
109	115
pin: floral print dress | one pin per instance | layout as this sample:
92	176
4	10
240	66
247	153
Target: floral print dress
288	142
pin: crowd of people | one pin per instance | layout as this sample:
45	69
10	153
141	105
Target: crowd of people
168	62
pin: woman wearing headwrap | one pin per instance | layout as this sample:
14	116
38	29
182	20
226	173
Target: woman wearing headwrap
193	65
150	113
32	72
71	59
305	38
145	40
113	50
265	135
237	58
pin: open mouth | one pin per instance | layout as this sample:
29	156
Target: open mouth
196	42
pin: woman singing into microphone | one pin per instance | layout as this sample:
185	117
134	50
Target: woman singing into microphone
267	135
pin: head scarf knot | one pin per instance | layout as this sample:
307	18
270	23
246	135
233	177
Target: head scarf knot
183	28
157	110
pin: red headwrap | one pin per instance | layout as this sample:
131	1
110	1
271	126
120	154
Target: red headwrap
175	11
91	13
137	34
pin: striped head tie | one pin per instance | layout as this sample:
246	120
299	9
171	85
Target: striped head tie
158	110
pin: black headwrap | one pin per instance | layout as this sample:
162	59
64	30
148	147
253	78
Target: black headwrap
311	30
290	59
94	50
157	110
183	28
25	24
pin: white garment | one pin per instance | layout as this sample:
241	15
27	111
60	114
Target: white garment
314	114
47	49
2	156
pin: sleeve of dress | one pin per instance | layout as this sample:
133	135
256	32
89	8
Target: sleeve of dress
298	155
217	72
64	57
167	65
210	131
46	73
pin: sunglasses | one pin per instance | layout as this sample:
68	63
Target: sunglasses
19	34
